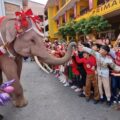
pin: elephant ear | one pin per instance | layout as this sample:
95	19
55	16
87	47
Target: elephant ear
10	32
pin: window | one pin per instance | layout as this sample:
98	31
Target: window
46	28
10	9
102	2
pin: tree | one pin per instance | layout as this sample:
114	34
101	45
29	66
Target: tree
67	29
79	26
90	27
96	24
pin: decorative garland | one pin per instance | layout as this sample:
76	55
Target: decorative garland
6	88
22	21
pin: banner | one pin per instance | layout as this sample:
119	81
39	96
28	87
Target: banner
65	17
75	10
90	4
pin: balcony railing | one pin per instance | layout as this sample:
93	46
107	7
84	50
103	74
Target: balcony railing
84	11
101	2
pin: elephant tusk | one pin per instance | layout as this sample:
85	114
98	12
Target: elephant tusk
47	66
39	64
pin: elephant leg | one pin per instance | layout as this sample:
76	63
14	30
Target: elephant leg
18	61
1	77
9	67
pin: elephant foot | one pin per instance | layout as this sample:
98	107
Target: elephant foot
20	102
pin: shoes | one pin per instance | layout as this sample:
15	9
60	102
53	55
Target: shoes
87	99
118	99
109	103
101	100
62	78
114	100
63	81
57	75
1	117
77	90
96	101
54	72
73	87
51	71
66	84
81	95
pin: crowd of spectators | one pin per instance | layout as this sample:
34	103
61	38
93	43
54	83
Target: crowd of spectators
93	70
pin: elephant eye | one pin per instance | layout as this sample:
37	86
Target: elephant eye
33	41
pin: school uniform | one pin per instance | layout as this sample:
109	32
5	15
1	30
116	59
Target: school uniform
115	80
82	71
90	65
103	71
76	74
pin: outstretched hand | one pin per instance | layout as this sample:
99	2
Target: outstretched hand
115	74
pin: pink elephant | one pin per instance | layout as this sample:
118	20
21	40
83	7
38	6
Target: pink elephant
25	40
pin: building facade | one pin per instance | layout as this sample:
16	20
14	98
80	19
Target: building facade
38	9
62	11
8	7
46	26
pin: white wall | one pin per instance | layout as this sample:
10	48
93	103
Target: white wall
2	7
37	8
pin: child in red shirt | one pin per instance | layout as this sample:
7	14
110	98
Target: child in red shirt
115	79
76	75
89	63
76	83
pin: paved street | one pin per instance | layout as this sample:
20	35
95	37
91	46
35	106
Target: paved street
49	100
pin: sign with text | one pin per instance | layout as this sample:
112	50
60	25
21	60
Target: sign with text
108	7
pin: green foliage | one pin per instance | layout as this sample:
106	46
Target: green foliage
79	26
94	24
84	26
61	31
67	29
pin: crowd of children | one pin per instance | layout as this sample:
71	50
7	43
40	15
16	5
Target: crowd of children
93	70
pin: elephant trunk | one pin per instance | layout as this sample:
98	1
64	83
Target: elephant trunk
50	59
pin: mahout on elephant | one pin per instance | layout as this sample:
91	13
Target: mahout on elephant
21	37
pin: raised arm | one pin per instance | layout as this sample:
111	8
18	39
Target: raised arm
90	51
114	66
117	41
79	60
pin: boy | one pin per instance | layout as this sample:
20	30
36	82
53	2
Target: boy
89	63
